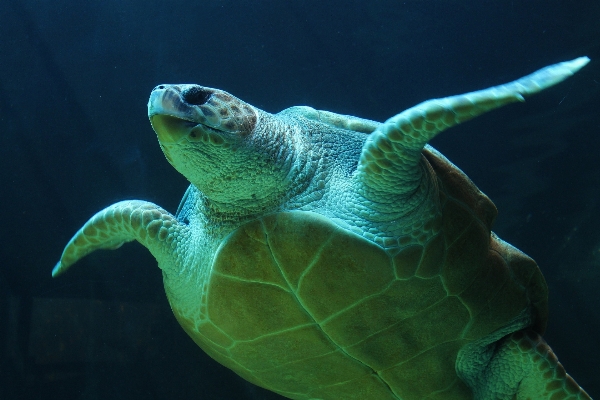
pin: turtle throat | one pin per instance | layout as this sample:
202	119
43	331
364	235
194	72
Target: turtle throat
250	176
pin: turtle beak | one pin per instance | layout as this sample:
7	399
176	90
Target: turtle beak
167	112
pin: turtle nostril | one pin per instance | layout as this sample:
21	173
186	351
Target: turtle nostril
196	95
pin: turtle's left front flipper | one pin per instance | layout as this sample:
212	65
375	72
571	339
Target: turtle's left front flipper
124	222
389	163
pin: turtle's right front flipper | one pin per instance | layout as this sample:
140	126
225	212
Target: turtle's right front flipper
122	222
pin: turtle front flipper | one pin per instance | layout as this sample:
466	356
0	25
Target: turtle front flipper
388	165
122	222
524	367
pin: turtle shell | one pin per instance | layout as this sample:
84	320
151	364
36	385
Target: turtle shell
304	308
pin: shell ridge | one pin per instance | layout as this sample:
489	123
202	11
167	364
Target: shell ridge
239	279
419	354
310	265
275	333
357	303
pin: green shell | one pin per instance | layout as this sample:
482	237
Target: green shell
339	303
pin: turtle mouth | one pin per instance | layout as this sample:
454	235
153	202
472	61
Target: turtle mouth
173	129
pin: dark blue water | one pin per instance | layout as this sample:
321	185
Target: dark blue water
74	83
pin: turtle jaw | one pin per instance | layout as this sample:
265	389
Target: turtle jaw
171	129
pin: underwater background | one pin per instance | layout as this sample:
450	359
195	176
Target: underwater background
74	83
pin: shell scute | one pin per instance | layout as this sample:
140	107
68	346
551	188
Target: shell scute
407	261
294	241
239	308
276	350
527	273
466	252
458	186
348	270
402	300
433	256
411	383
412	336
366	387
215	335
489	280
245	256
317	372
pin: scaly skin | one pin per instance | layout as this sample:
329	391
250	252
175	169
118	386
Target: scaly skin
244	163
388	163
122	222
530	371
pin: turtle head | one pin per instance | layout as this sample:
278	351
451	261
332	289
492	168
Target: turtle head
234	153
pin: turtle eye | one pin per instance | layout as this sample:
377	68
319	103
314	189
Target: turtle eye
196	95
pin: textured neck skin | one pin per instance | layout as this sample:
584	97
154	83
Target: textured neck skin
298	163
256	175
336	191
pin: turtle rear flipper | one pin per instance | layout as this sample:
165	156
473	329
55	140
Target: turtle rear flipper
524	367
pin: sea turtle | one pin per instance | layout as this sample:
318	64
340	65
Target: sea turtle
324	256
